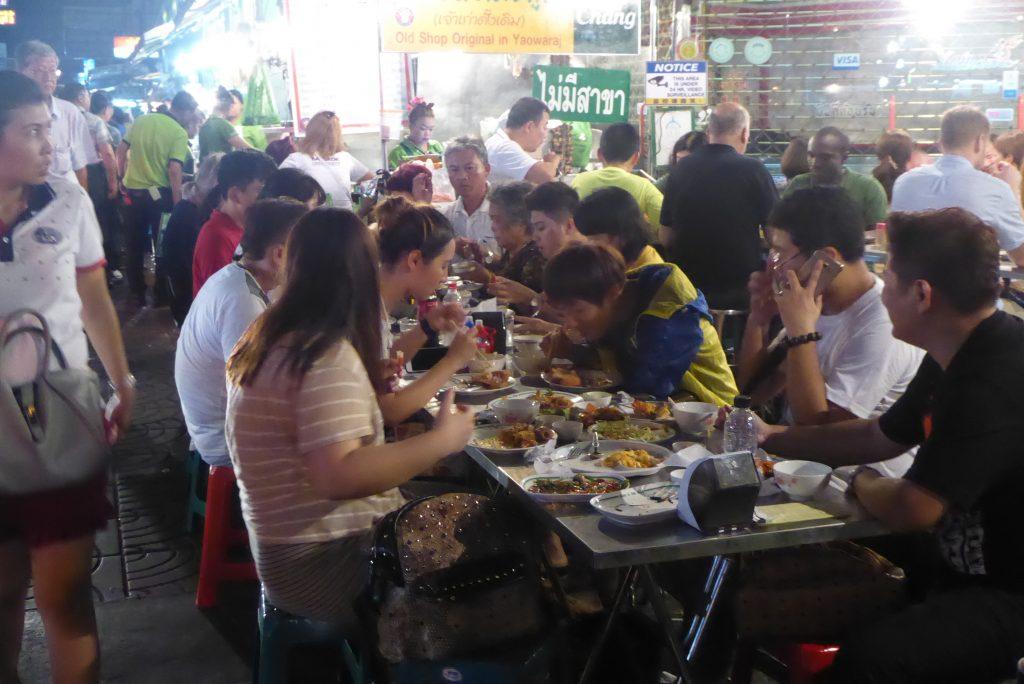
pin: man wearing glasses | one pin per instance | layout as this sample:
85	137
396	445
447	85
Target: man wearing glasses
72	145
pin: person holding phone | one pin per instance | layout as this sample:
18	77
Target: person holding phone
836	358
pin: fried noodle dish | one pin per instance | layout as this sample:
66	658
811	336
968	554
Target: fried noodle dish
630	458
518	436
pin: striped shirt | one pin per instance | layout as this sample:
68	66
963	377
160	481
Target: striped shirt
272	424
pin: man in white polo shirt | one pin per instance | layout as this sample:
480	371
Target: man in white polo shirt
227	304
509	149
959	178
69	134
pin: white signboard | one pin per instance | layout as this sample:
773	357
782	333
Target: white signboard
676	83
335	62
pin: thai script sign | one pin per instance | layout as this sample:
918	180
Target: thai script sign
511	26
594	95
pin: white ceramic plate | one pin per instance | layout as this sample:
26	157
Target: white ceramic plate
565	498
574	398
490	432
588	386
594	467
668	433
460	383
643	505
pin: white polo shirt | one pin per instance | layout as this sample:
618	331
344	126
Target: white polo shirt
71	140
475	226
41	255
509	161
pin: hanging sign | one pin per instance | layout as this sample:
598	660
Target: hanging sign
594	95
676	83
601	27
1011	84
846	61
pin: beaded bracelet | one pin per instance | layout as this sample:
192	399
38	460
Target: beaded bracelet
791	342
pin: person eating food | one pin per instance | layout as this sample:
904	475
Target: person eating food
650	325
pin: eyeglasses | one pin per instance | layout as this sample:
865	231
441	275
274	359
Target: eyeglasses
43	71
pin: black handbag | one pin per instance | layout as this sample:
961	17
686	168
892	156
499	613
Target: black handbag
449	575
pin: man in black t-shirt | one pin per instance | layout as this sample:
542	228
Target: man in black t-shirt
965	408
716	203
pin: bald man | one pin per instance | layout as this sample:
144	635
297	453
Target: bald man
716	203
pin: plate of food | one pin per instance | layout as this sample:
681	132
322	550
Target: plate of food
621	457
652	410
553	403
576	489
479	384
635	430
510	440
590	414
579	379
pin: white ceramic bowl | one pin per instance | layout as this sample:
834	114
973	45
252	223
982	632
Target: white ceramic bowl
694	417
598	399
530	363
568	430
801	479
490	362
515	410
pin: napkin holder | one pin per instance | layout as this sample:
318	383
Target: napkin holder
718	493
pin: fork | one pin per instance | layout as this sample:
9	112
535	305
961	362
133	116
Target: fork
581	450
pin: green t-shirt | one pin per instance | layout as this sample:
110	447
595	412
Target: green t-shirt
154	140
643	191
866	192
214	137
406	149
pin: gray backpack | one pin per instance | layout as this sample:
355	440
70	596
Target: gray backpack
51	426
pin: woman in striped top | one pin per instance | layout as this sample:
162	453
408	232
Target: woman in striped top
303	427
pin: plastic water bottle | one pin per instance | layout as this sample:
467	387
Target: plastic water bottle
740	428
451	296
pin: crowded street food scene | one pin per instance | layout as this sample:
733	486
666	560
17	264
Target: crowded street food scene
492	341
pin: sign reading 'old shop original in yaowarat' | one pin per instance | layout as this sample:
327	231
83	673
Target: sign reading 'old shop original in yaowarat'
512	26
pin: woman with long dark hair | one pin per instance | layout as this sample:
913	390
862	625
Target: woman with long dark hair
303	426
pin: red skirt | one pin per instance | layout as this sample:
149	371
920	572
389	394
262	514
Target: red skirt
57	515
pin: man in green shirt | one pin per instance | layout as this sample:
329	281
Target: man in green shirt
152	157
829	150
618	151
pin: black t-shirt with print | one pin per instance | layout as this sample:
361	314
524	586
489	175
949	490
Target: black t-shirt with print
969	421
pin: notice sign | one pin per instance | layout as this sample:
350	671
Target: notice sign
598	27
594	95
1011	84
676	83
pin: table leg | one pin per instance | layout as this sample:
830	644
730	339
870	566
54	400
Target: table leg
620	596
654	595
713	588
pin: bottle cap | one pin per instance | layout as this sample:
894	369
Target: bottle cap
742	401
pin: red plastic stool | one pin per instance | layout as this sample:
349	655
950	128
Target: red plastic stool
218	537
805	661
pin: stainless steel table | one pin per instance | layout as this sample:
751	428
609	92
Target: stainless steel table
607	545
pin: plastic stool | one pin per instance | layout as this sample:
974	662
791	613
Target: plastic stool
279	631
194	506
805	661
218	537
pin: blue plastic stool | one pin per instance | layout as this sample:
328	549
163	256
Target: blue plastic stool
279	631
194	467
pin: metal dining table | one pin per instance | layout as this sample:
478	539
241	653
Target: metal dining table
606	545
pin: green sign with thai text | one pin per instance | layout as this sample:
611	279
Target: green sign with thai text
594	95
